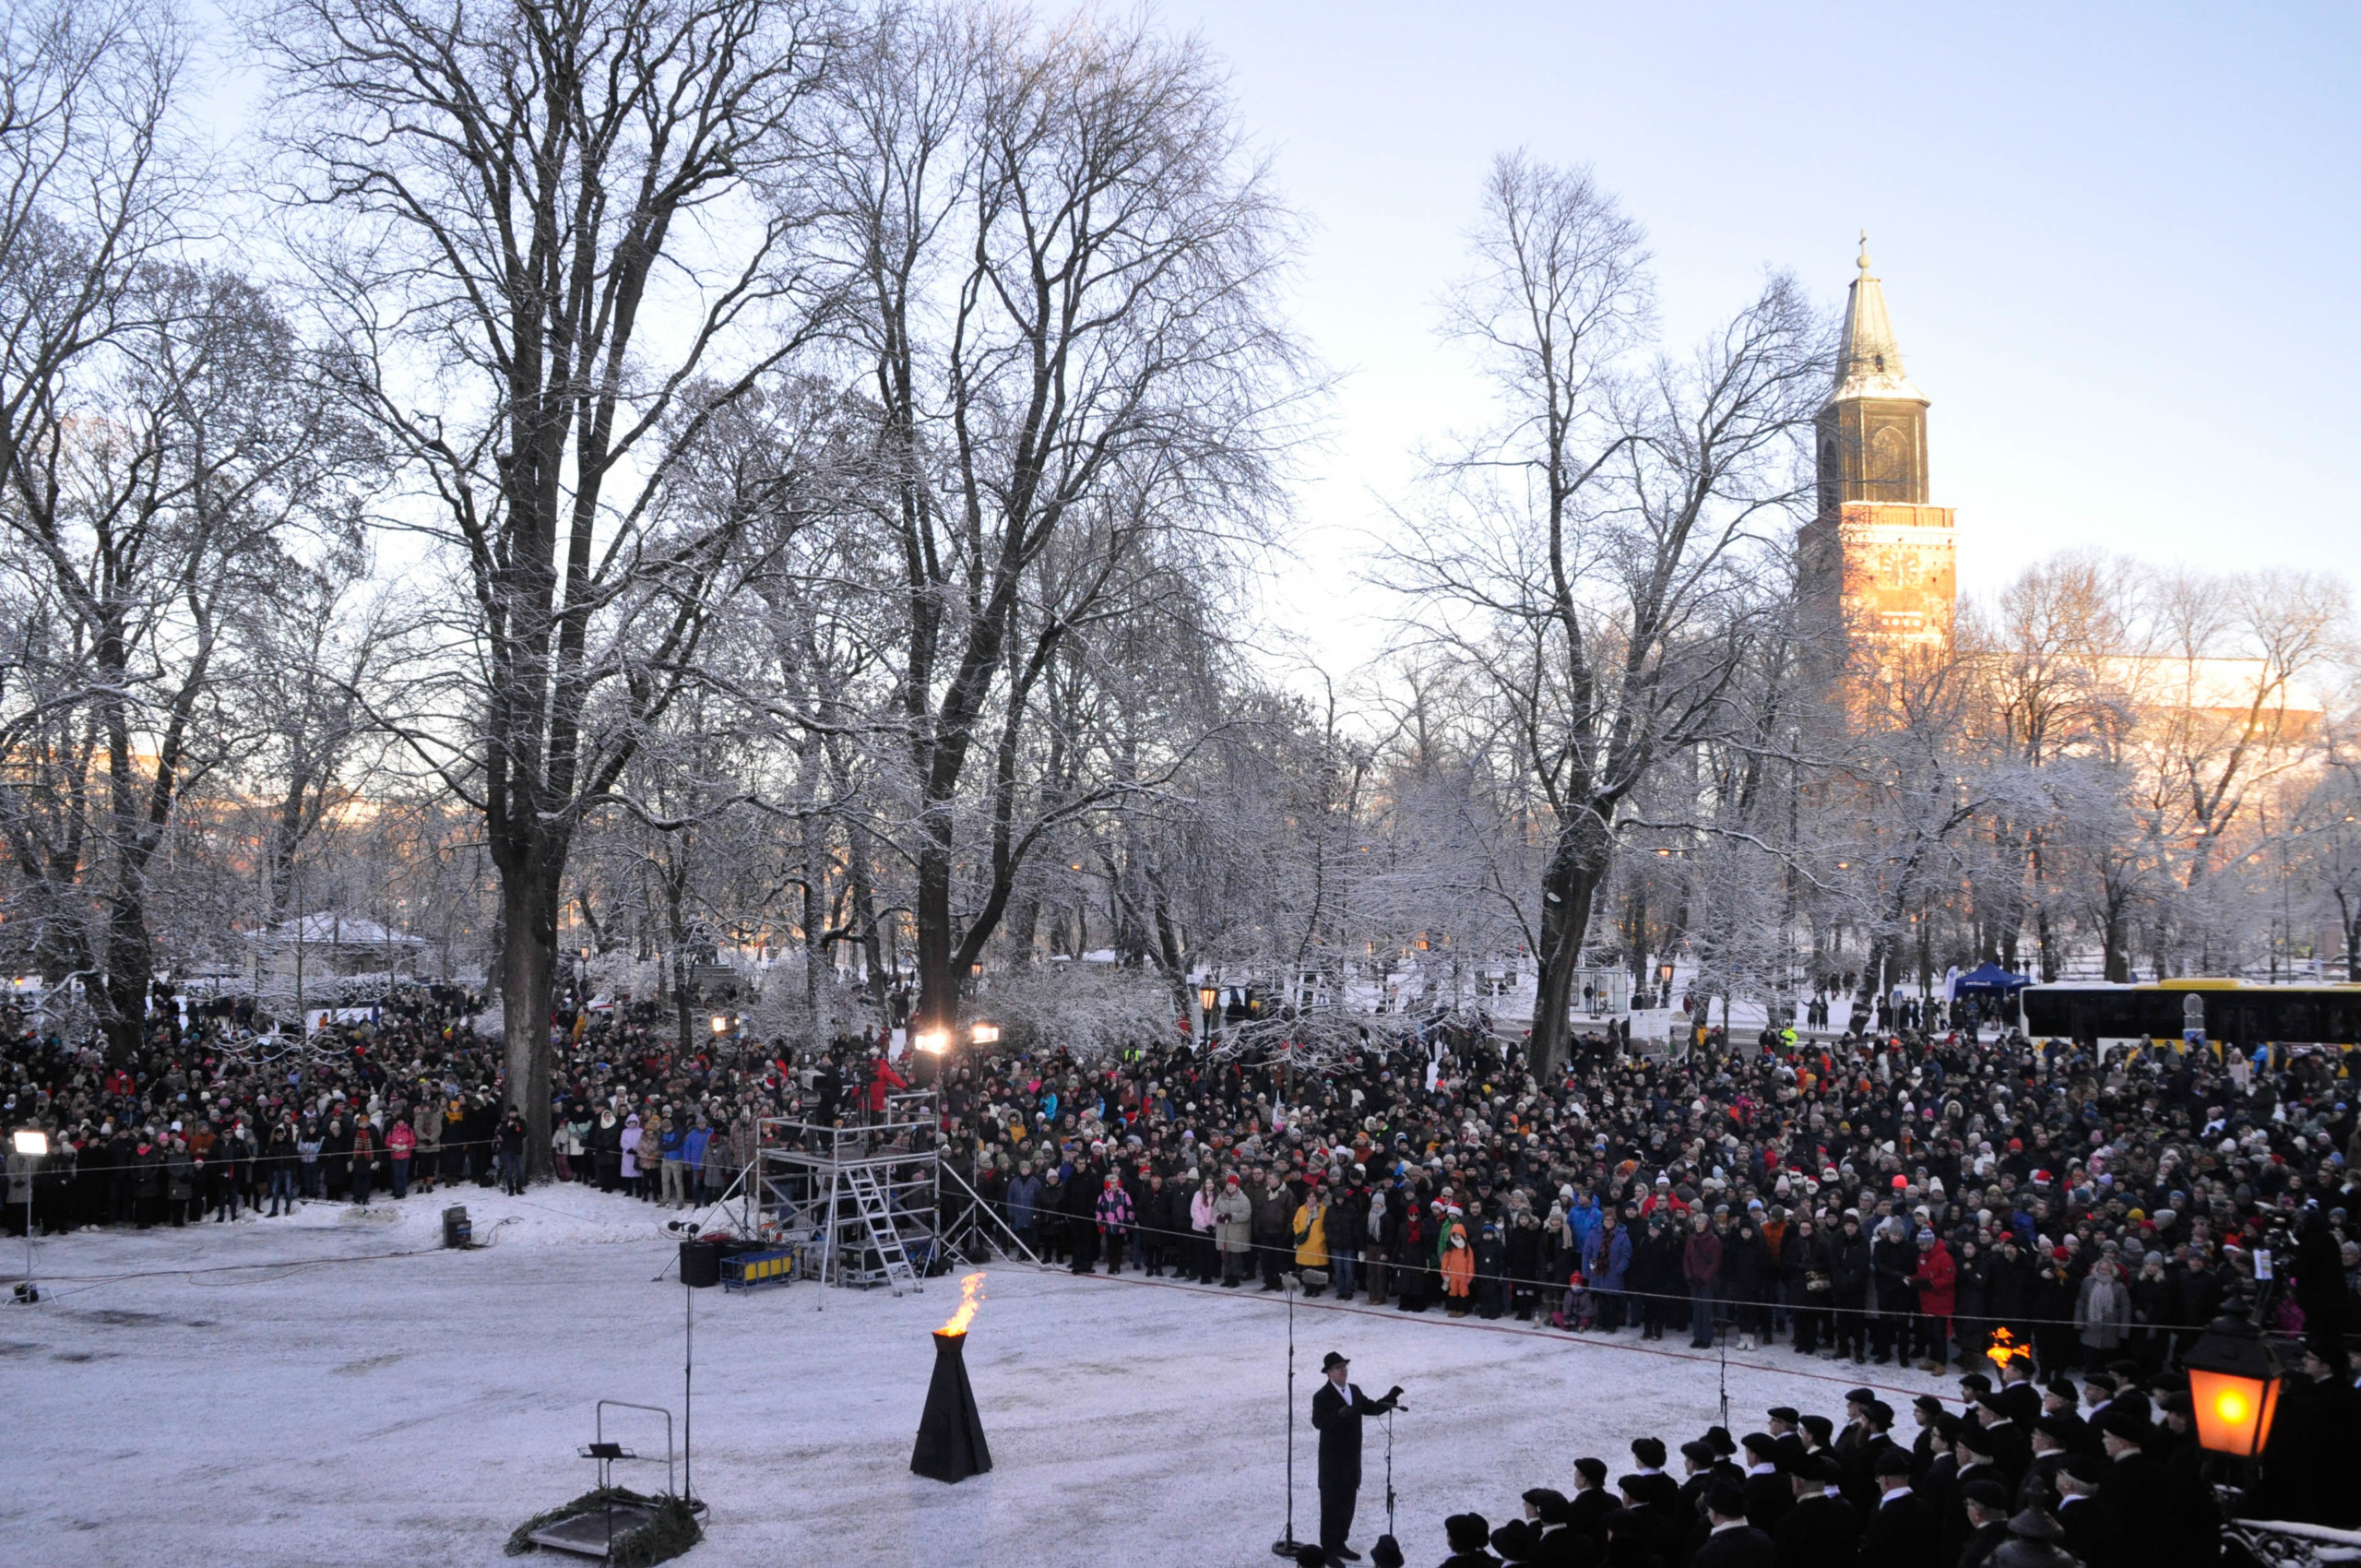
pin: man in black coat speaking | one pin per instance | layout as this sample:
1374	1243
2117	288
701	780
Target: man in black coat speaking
1337	1412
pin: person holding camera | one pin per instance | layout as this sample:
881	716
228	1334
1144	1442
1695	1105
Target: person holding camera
1337	1412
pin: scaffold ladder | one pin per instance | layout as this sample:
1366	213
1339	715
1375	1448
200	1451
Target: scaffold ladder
884	1235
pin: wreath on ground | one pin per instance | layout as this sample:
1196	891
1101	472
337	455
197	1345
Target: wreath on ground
672	1530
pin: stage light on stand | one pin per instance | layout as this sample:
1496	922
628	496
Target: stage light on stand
934	1042
984	1034
33	1144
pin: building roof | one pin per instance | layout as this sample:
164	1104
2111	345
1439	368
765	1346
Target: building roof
1869	364
329	929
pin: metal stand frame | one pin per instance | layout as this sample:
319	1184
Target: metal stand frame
862	1206
978	1234
861	1203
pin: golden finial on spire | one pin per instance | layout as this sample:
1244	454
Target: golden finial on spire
1864	262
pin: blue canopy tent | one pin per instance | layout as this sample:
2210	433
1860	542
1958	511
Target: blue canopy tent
1990	979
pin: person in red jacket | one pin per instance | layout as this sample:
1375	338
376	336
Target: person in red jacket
883	1081
1934	1276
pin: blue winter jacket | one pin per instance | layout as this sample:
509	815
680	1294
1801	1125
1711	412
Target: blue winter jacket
1606	1262
1582	1220
1024	1192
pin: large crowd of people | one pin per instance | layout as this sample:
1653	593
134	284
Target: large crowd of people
1908	1199
214	1121
1880	1199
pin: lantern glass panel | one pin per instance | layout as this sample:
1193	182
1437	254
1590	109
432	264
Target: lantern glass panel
2233	1413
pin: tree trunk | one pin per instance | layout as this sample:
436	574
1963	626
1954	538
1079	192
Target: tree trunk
815	946
864	912
529	900
938	1003
674	882
2119	961
130	961
1568	885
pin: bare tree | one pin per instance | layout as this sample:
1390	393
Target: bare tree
89	195
181	464
1062	262
548	256
1590	562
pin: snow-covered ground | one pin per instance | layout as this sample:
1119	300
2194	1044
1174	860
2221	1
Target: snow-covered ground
348	1404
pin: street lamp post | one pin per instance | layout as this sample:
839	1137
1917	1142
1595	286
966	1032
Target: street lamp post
1208	998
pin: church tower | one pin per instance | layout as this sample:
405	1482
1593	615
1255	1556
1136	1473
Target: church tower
1878	557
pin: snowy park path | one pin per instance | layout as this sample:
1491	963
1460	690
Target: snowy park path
344	1404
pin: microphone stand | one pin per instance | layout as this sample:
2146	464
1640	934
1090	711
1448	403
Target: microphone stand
1724	1349
1389	1470
1286	1546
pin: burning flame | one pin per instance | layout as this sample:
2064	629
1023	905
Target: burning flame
2003	1349
971	1296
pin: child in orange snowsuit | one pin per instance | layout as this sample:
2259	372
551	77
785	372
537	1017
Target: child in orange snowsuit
1458	1267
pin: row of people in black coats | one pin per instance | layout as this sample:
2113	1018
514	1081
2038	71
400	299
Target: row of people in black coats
2019	1476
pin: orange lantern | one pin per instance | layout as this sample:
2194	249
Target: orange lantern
2233	1389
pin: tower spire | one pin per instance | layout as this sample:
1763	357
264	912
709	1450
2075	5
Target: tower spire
1869	364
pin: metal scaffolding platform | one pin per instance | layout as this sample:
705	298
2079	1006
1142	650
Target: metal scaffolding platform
868	1204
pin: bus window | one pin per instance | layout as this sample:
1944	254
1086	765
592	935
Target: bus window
2297	1018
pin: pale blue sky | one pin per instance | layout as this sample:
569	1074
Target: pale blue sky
2119	243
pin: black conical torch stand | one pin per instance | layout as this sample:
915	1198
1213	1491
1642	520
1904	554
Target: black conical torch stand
951	1433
